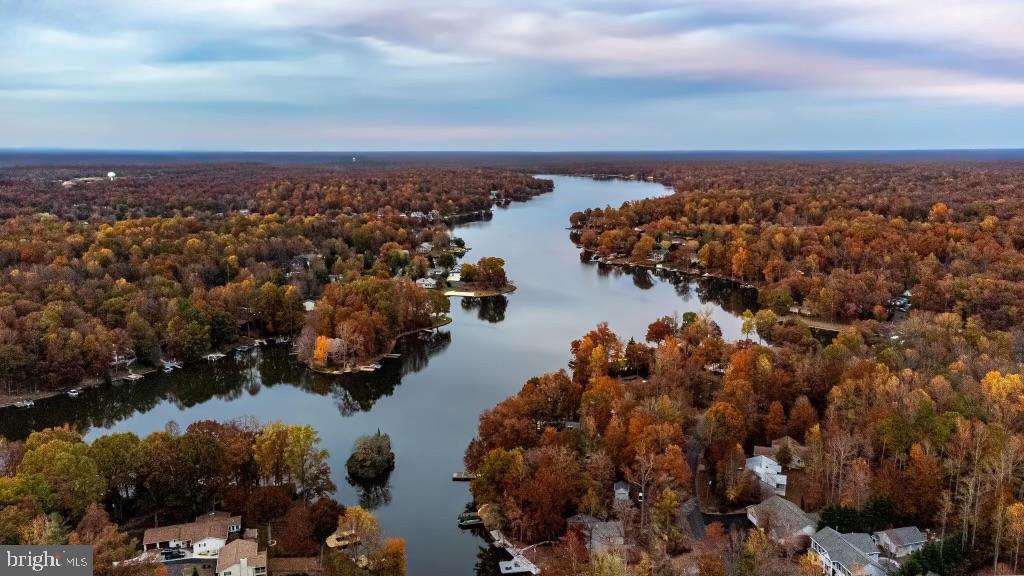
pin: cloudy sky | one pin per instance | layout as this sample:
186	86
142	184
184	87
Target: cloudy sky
511	74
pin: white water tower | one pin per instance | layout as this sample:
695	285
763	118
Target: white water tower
111	175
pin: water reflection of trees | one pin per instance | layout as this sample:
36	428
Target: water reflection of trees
228	379
487	559
490	309
372	493
642	279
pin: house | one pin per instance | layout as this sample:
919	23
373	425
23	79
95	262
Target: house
242	558
309	305
621	489
206	536
900	542
781	519
769	472
425	248
852	554
658	255
795	449
454	279
428	283
598	536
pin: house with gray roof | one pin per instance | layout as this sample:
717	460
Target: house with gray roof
795	449
901	542
852	554
781	519
599	536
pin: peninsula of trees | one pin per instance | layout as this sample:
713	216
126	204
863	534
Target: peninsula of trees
842	241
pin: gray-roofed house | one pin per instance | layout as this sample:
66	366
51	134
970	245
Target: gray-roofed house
846	554
599	536
901	542
781	519
795	449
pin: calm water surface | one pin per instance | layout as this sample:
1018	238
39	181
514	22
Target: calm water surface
428	401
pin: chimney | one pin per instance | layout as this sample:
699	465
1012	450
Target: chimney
244	565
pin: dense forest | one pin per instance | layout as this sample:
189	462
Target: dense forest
925	430
842	240
177	262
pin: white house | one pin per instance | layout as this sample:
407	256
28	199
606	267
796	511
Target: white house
206	536
622	491
769	472
242	558
901	542
428	283
852	554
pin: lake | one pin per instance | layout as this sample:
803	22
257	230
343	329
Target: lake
430	399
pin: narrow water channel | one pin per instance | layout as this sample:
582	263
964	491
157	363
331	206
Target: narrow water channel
430	399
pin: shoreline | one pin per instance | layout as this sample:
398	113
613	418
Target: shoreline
695	274
479	293
9	400
335	372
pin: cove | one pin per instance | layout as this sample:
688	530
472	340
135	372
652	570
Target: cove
430	399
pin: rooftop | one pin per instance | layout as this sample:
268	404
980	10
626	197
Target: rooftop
234	552
904	536
784	518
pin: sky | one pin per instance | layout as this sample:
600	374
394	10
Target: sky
511	74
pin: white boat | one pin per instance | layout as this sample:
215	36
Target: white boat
241	348
214	356
133	376
393	355
168	369
370	367
24	404
259	342
74	392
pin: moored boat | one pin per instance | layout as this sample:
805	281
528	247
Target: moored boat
470	519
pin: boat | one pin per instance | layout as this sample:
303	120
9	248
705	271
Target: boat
214	356
282	339
242	348
74	392
463	476
259	342
168	369
133	376
369	367
470	519
24	404
393	355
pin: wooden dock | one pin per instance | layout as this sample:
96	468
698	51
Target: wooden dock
463	476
